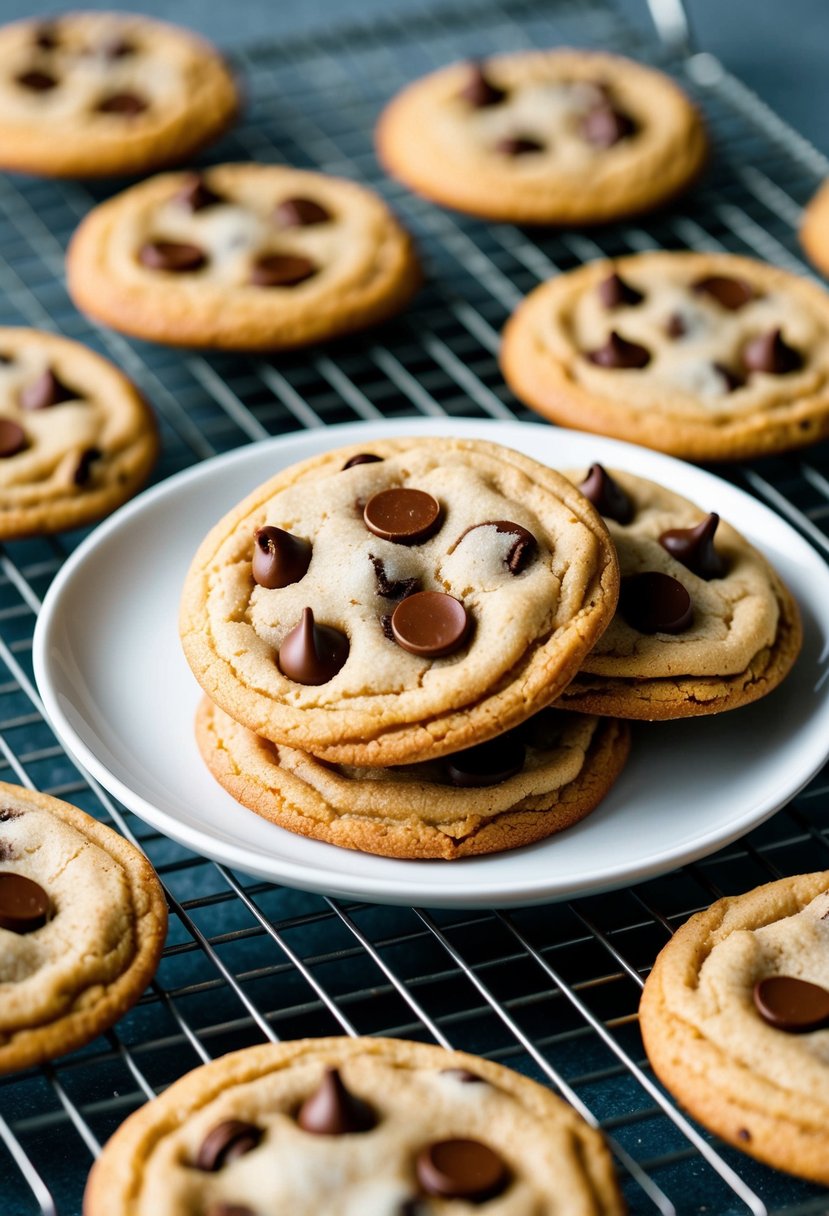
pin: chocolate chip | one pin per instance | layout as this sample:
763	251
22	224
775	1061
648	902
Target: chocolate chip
36	81
411	1207
24	905
731	379
85	461
229	1209
281	270
770	353
279	557
46	38
47	390
118	47
7	813
430	623
301	213
732	294
606	495
487	763
463	1075
518	145
225	1142
312	653
361	458
655	603
676	325
173	256
694	547
461	1169
196	195
396	589
743	1134
790	1004
12	438
605	126
128	104
617	352
402	516
7	852
614	292
479	90
521	551
333	1110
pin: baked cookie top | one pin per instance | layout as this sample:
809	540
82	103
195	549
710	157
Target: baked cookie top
353	1126
703	623
537	779
559	136
76	438
82	925
87	94
430	594
242	256
704	355
735	1017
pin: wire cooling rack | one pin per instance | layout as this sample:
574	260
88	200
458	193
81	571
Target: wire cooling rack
551	991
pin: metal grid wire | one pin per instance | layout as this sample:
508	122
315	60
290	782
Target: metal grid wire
551	991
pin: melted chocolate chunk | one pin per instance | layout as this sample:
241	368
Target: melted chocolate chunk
196	195
281	270
396	589
518	145
488	763
430	624
676	326
655	603
6	813
614	292
606	495
731	379
128	104
312	653
732	294
175	257
403	516
333	1110
770	353
225	1142
361	458
47	38
24	905
36	81
46	391
12	438
695	548
605	126
744	1134
84	466
793	1005
461	1169
617	352
118	47
301	213
479	90
521	551
279	557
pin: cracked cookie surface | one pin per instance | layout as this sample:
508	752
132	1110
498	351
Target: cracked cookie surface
517	628
354	1127
759	1086
242	257
82	926
703	355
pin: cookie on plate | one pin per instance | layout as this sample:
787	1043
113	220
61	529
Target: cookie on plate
242	257
88	94
76	437
704	355
82	926
814	229
735	1019
544	137
395	603
704	623
514	790
353	1126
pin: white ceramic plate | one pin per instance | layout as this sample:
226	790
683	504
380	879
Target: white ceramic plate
121	697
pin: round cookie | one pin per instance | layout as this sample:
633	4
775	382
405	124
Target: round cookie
336	640
351	1127
514	790
814	229
82	925
708	356
544	137
242	257
704	623
76	437
88	94
758	1085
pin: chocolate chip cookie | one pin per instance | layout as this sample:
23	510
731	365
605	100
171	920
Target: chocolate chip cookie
735	1018
814	229
381	606
707	356
242	257
544	137
518	788
82	924
87	94
76	437
350	1127
704	623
